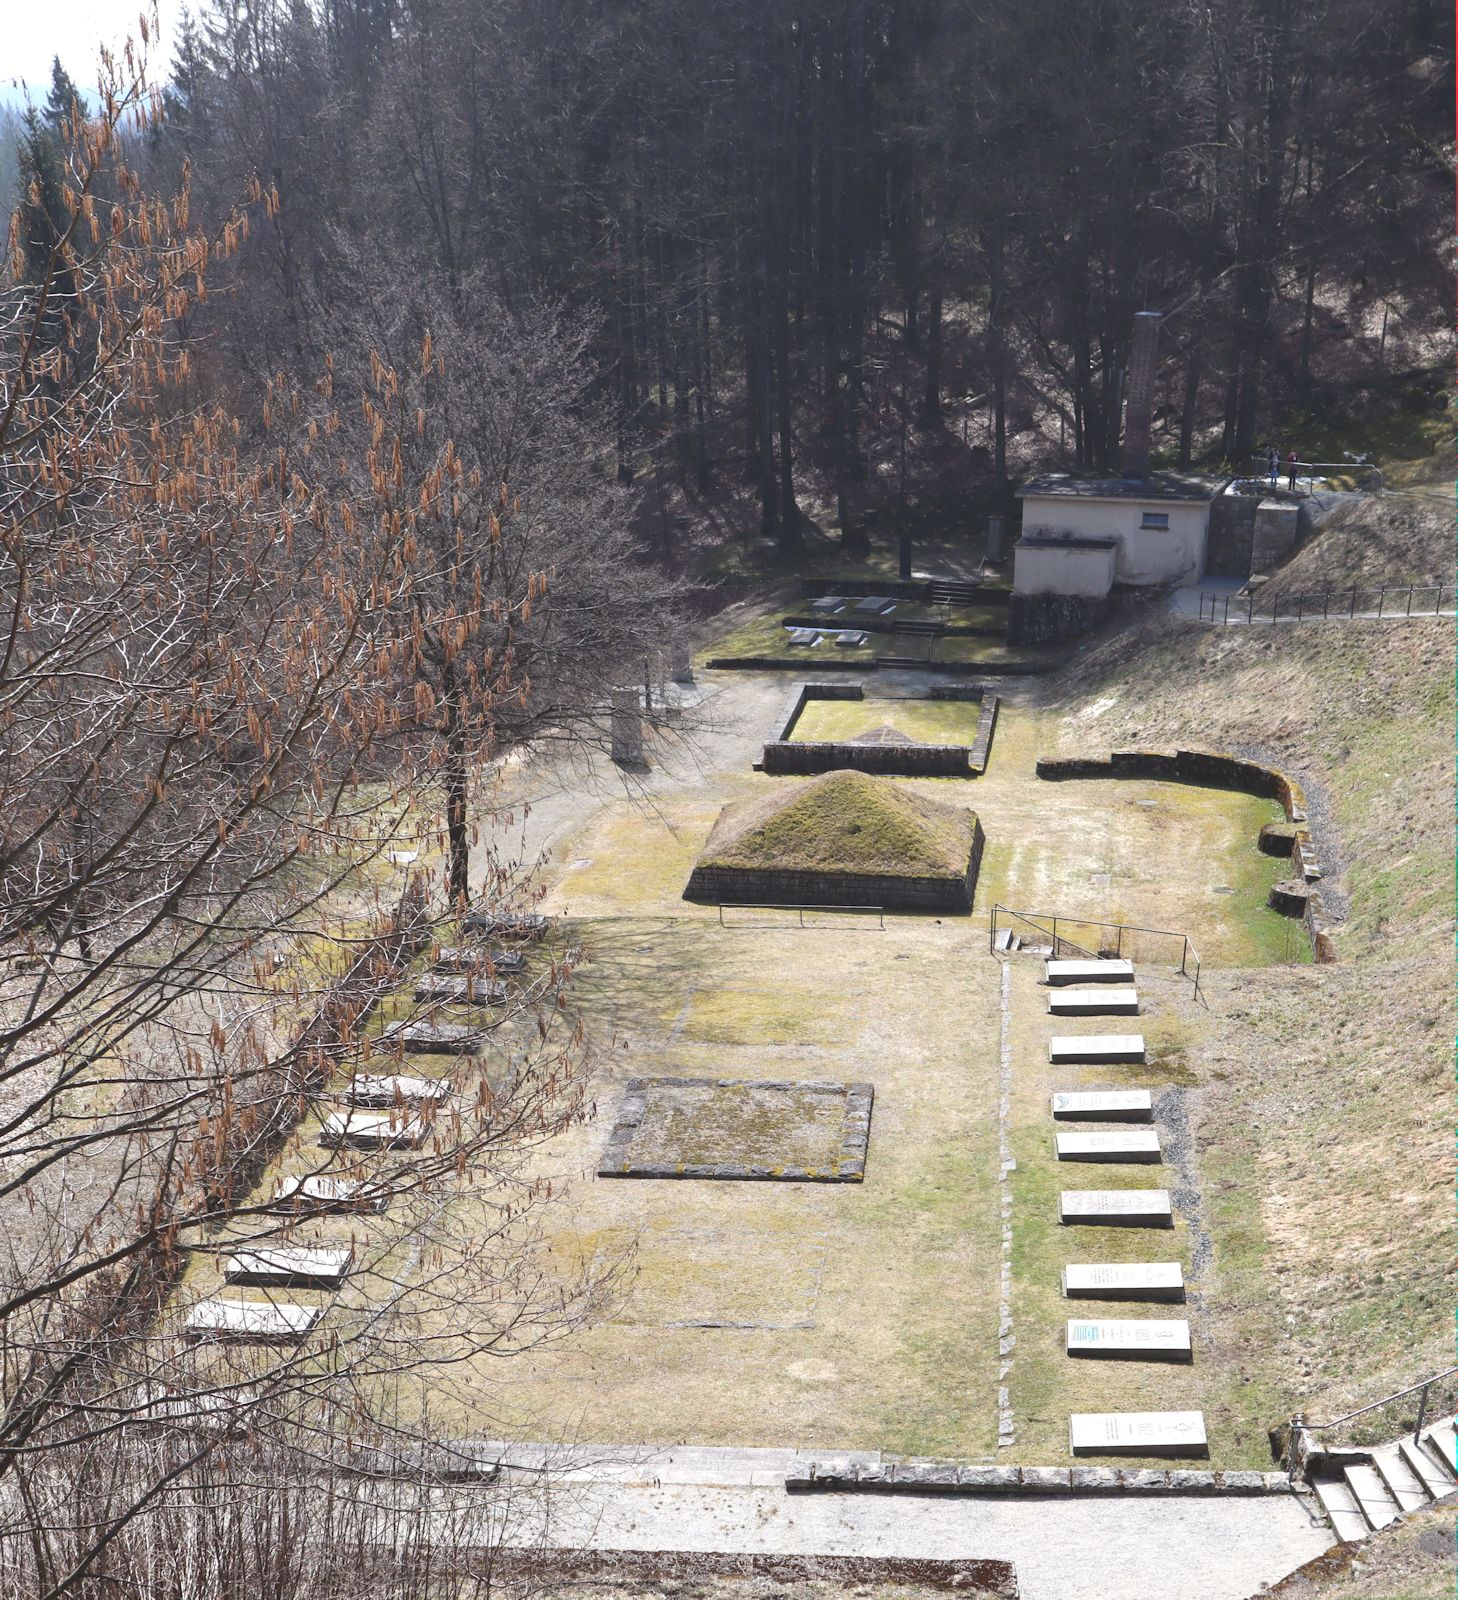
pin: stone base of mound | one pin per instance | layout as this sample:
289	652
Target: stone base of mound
950	896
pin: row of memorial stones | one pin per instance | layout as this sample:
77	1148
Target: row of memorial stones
1092	989
386	1112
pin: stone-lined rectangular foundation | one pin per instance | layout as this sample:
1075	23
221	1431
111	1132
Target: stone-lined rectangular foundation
749	1103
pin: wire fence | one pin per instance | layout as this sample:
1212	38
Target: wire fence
1327	605
816	913
1288	474
1090	938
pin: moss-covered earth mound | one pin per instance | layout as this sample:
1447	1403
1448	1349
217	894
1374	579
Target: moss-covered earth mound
842	838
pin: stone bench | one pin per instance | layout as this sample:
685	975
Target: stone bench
322	1192
479	958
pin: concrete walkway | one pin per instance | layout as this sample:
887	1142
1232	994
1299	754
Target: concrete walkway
1063	1548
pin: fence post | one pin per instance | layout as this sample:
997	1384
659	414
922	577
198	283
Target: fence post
1325	604
1439	606
1250	606
1422	1414
1184	954
1227	610
1300	607
1381	596
1409	600
1119	942
1353	611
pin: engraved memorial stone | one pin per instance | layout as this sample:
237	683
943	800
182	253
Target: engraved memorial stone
1138	1433
1129	1338
1103	1105
1129	1144
1102	971
1114	1001
1117	1208
1095	1049
1124	1280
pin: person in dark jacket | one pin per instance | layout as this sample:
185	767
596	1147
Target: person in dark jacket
1292	462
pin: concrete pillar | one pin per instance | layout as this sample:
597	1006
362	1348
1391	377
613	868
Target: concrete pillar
905	555
682	667
1139	394
994	538
627	726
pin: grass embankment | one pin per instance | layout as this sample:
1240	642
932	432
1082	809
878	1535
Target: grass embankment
1324	1126
845	822
1387	540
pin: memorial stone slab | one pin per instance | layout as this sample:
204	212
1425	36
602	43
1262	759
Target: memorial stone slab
434	1038
251	1322
394	1088
1124	1280
1114	1001
480	958
1103	1105
875	605
1101	971
1095	1049
371	1130
804	636
293	1266
321	1192
1128	1144
850	638
1129	1338
828	605
1176	1434
1117	1208
460	989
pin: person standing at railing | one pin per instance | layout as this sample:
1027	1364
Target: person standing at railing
1292	462
1274	465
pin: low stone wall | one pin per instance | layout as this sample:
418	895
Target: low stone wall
787	758
769	887
948	1477
1216	770
782	757
1052	618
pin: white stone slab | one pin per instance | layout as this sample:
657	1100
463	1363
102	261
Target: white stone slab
1128	1144
1138	1433
804	636
1129	1338
1103	1105
875	605
828	604
1107	970
309	1266
391	1088
320	1192
461	988
1114	1001
1117	1208
371	1130
1095	1049
434	1038
851	637
485	958
248	1321
1124	1280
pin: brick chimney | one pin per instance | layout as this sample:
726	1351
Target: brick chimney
1139	394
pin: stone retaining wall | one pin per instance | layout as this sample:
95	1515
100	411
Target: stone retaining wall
782	757
1216	770
946	1477
751	886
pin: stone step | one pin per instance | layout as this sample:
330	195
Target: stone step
1341	1508
1373	1496
1403	1484
1424	1468
1441	1442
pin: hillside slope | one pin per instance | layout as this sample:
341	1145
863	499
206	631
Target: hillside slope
1333	1082
1373	540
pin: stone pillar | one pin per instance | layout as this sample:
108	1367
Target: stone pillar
682	664
1139	394
905	568
627	711
994	539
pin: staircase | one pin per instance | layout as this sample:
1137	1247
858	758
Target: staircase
1364	1491
948	592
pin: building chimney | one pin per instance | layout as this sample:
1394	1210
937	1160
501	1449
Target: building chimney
1139	394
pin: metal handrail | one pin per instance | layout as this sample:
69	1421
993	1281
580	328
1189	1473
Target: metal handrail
1325	468
1402	1394
1304	607
1188	953
879	912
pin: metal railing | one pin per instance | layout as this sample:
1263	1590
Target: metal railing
1260	471
1421	1389
1049	927
1328	604
878	912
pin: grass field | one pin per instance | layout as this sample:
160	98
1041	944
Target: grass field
923	721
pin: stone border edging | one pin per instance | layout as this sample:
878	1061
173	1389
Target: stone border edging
946	1477
850	1165
784	757
1216	770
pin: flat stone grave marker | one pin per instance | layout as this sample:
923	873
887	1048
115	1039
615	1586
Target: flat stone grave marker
1103	1105
850	638
394	1088
321	1192
1095	1049
371	1130
1114	1001
434	1038
875	605
1128	1144
505	924
1103	970
1138	1433
460	989
1130	1338
250	1322
480	958
1117	1208
1124	1280
291	1266
828	604
805	636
